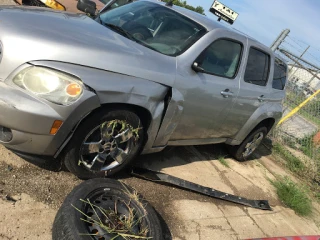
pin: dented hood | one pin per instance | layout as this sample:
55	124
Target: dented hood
31	34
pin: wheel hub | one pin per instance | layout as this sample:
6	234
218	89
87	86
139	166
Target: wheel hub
106	146
253	144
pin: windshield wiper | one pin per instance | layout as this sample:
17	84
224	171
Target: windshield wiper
119	30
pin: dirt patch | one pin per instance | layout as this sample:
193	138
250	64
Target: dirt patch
49	189
42	185
39	193
25	219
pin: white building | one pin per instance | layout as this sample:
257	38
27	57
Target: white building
303	77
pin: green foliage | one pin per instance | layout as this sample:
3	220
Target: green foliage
223	161
317	195
184	4
313	107
290	141
307	147
292	162
293	196
311	111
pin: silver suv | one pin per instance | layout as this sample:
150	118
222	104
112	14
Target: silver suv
137	78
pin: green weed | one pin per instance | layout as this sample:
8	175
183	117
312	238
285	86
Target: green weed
293	163
293	196
223	161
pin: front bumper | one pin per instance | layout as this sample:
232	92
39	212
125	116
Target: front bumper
30	119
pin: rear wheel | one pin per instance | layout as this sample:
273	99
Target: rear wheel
104	144
243	151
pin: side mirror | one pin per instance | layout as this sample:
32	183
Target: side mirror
195	66
87	6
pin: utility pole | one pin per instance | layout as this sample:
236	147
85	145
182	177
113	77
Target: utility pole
299	60
279	40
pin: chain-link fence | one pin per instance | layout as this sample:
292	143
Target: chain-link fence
299	135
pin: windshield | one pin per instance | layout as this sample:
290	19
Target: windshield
154	26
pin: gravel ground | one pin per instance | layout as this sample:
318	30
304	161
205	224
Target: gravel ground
50	188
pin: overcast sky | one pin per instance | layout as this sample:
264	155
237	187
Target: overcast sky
265	19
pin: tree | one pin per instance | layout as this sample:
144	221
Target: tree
184	4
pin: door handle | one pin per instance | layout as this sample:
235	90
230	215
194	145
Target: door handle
226	93
261	98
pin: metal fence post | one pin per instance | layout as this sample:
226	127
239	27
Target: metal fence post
279	39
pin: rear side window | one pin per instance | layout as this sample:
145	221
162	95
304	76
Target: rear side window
221	58
279	75
258	67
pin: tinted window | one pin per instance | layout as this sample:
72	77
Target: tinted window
279	75
221	58
257	70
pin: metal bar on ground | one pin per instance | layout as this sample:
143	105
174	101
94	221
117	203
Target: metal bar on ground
183	184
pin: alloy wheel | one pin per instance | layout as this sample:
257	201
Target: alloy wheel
107	146
252	145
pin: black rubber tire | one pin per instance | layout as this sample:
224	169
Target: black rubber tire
67	224
70	155
237	151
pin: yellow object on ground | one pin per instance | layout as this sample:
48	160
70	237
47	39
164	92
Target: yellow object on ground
53	4
296	109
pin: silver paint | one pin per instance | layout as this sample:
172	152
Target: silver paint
117	70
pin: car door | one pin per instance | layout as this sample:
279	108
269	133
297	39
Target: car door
209	90
254	91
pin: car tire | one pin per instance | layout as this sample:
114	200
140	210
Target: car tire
72	156
241	152
69	226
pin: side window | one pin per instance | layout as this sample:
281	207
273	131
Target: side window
221	58
279	75
258	67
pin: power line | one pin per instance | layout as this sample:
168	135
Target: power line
295	41
294	47
305	43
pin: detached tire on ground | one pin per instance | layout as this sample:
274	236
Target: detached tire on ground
100	200
104	144
243	151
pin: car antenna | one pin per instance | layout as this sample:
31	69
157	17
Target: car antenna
170	3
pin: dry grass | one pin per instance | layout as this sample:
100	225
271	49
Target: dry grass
116	224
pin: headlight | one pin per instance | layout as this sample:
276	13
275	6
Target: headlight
49	84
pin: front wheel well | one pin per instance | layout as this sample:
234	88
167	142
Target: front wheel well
143	114
268	123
